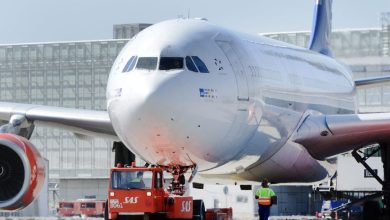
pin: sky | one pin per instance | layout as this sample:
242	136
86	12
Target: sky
25	21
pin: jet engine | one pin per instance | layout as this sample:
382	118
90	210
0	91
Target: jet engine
22	172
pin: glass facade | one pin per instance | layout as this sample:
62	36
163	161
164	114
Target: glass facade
345	43
72	74
127	31
385	35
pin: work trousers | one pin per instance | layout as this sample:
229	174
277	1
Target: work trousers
264	211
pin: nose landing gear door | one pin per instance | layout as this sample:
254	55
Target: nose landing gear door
233	55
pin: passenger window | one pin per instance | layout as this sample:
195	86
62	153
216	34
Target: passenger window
148	63
190	64
171	63
130	65
199	63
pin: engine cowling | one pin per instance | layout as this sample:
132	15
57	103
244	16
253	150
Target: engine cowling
22	172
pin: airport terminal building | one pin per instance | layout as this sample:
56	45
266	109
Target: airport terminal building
74	74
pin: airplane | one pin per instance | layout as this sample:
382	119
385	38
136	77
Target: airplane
189	95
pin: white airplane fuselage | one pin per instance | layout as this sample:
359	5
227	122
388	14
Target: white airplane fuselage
235	120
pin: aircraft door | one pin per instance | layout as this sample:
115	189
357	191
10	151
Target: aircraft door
238	68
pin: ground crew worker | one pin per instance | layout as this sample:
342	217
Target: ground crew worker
264	196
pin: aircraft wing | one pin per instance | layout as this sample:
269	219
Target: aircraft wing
327	135
79	121
372	82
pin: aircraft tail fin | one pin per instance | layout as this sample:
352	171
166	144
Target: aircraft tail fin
322	27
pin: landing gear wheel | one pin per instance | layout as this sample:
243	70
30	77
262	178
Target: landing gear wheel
199	212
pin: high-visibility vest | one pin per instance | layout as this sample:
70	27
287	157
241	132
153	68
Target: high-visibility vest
265	200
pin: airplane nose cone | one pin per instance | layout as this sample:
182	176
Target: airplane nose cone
142	100
164	120
149	115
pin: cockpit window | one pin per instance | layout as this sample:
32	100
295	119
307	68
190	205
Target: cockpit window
190	64
130	64
148	63
199	63
171	63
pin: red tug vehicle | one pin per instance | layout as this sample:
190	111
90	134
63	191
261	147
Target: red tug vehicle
139	193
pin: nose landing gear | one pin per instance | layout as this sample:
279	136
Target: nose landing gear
177	186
